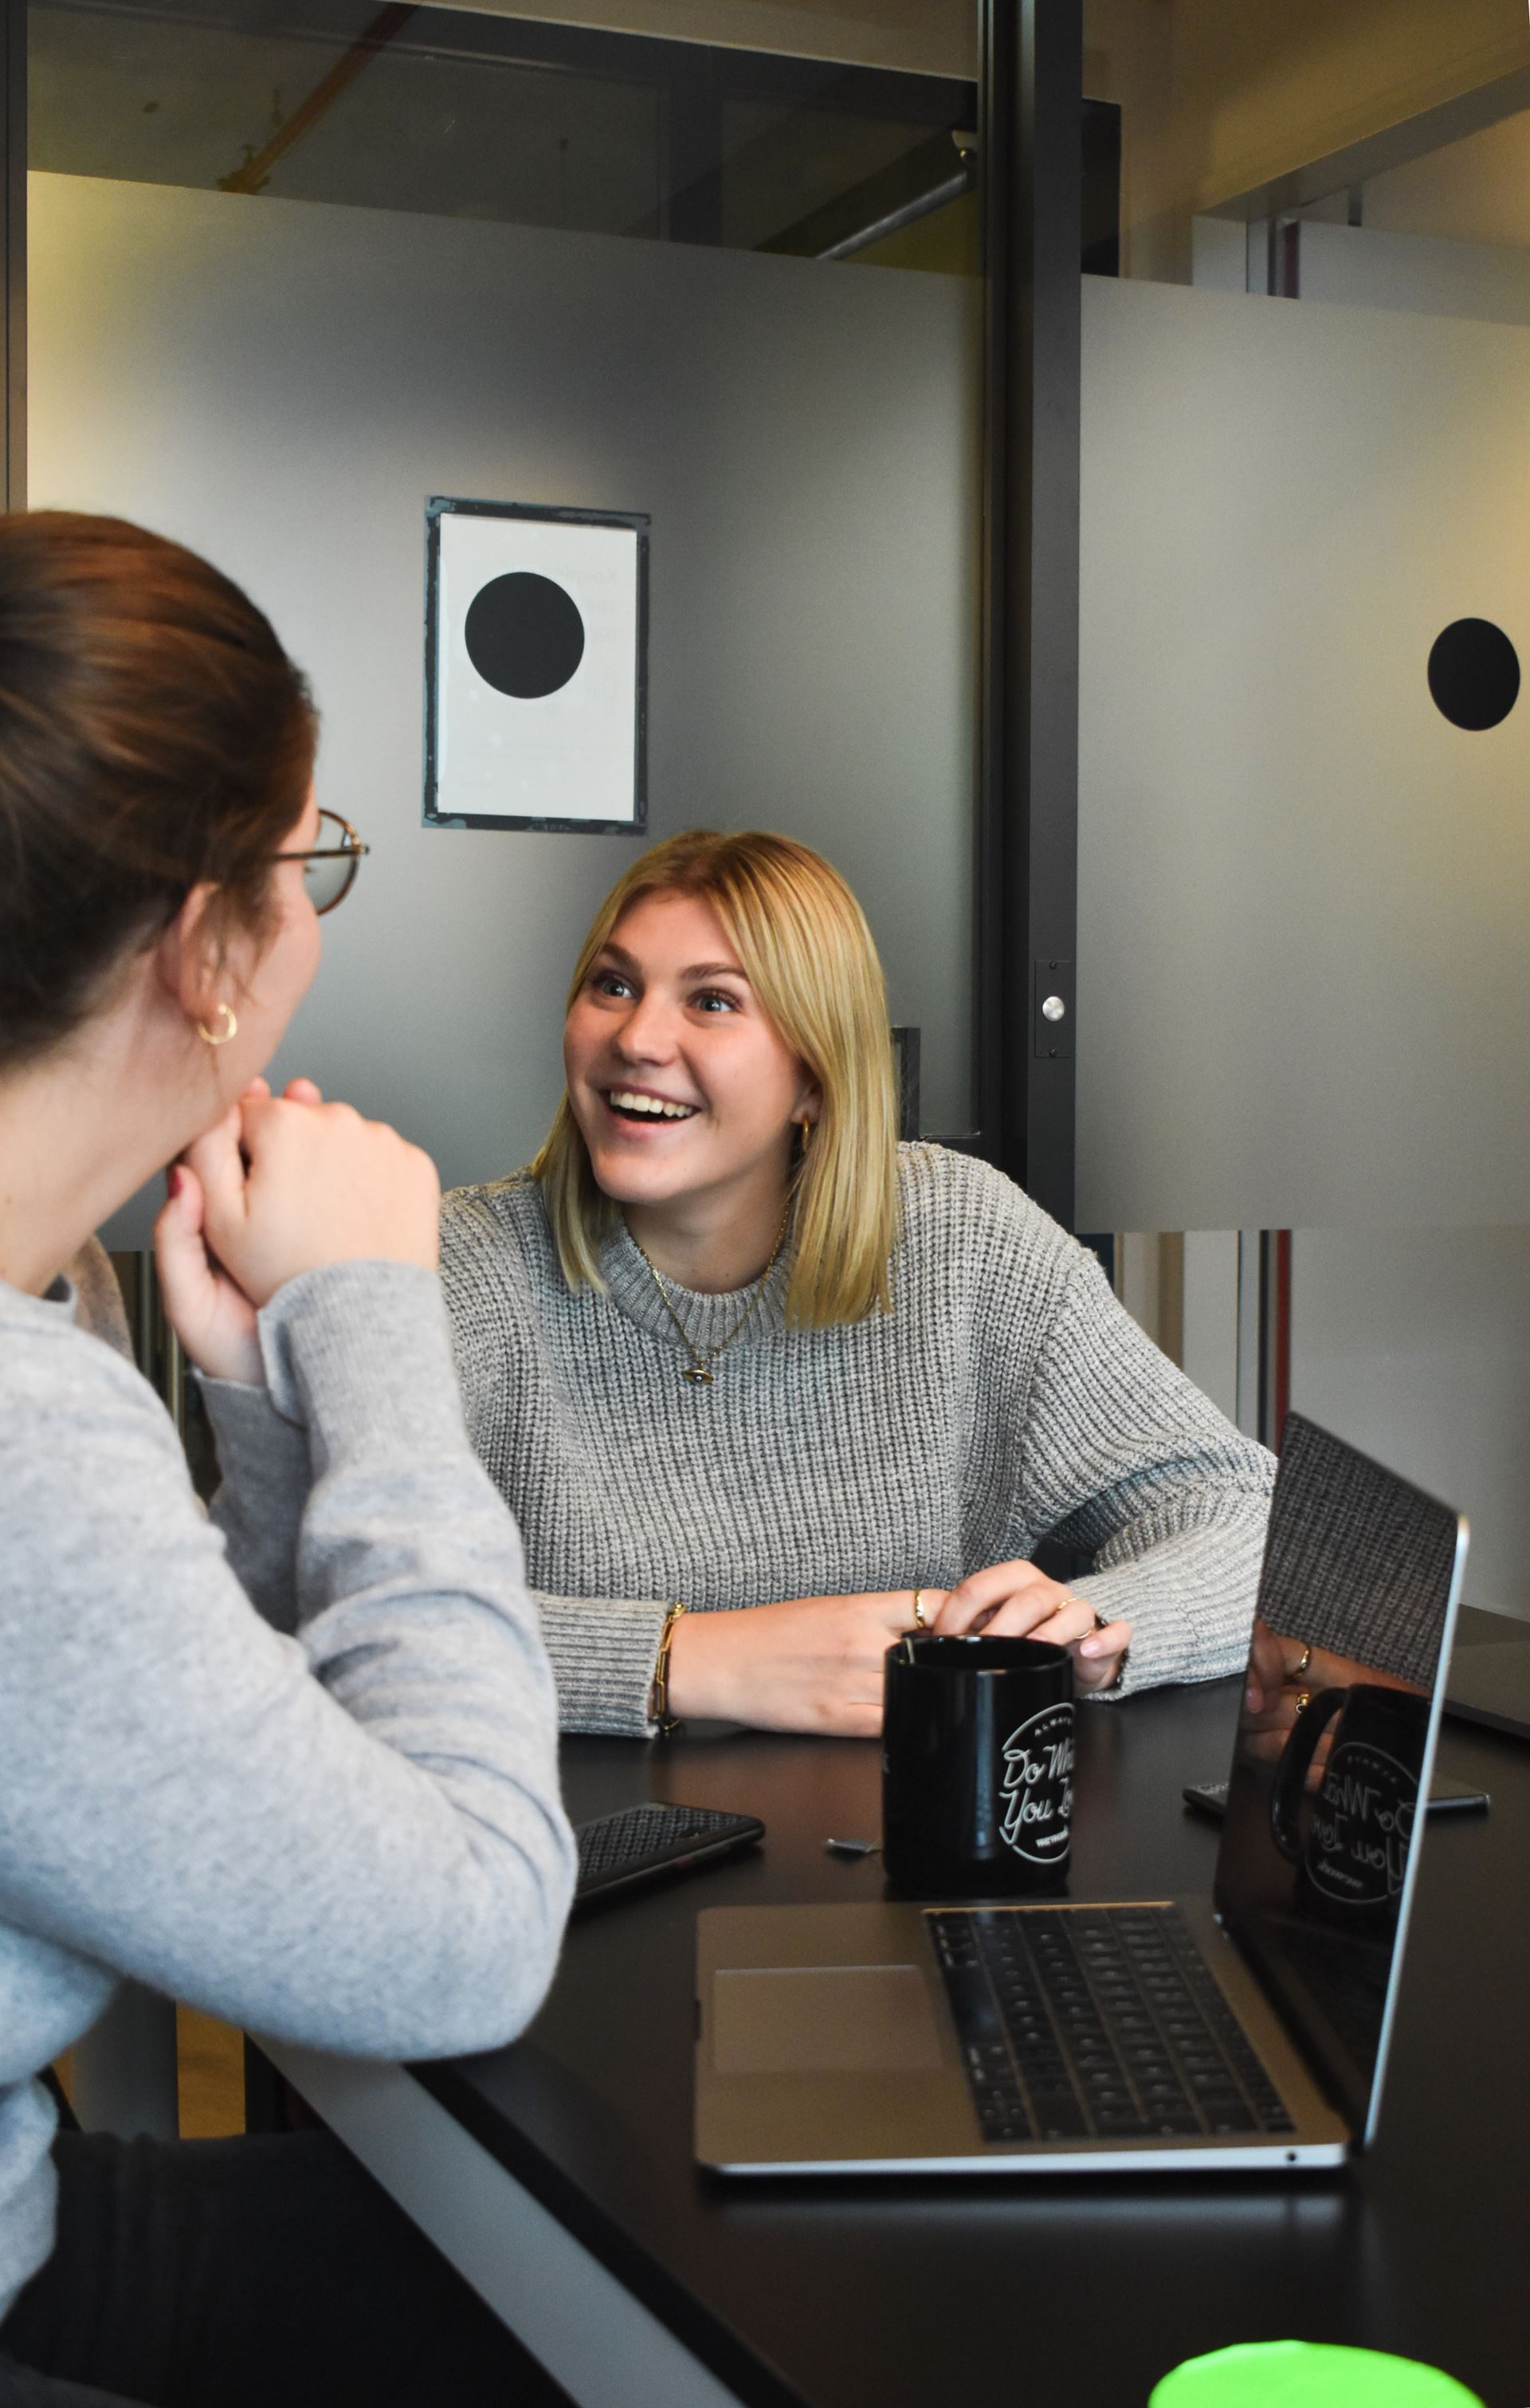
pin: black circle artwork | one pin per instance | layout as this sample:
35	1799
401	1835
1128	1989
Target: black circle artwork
1474	673
524	634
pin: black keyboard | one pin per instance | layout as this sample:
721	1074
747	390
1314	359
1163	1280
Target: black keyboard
1097	2024
618	1850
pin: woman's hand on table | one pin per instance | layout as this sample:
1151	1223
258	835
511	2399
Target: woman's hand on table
811	1664
278	1186
1018	1601
816	1663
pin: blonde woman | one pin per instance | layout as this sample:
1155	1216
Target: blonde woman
727	1346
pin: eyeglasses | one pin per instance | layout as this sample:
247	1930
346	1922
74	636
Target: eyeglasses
329	870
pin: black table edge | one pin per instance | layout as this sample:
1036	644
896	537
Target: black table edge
753	2379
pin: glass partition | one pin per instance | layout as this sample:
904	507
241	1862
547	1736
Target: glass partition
488	114
294	271
1303	851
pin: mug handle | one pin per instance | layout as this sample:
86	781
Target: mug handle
1291	1770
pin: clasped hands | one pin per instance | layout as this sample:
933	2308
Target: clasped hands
278	1186
815	1663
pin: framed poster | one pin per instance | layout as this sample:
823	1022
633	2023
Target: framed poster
536	667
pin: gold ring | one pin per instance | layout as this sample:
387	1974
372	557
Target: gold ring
1298	1671
919	1608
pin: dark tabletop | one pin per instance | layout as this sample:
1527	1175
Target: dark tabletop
852	2293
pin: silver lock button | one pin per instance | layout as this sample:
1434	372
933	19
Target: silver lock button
1054	1009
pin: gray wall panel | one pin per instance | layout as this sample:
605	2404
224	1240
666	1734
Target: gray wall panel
1304	984
282	385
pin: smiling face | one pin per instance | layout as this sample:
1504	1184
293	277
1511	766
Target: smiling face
681	1087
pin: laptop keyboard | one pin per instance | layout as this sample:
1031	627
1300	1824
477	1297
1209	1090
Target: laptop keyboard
1097	2024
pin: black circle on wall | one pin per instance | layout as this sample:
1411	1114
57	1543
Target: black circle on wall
523	635
1474	673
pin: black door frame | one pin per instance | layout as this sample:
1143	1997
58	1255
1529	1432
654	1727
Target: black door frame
1031	136
1031	101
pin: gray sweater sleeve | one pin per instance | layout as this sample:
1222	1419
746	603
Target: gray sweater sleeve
1119	1455
602	1650
262	1494
603	1655
353	1836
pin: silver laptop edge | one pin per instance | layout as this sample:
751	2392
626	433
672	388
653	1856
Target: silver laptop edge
1410	1875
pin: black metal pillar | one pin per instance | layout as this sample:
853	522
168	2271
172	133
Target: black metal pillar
1027	867
13	247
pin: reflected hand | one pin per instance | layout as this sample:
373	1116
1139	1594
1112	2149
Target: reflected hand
1283	1672
1015	1601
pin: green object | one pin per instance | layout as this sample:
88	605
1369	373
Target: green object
1306	2375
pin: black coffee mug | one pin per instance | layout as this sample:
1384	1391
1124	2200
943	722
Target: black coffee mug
1352	1855
977	1766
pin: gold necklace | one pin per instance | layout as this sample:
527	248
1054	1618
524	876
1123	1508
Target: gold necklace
699	1373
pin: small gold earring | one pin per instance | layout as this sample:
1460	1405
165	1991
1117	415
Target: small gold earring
231	1029
807	1129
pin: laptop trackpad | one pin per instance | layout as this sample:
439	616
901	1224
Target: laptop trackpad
823	2019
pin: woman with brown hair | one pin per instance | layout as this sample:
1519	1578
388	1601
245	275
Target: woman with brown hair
294	1764
728	1345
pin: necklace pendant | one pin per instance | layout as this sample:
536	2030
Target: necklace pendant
698	1371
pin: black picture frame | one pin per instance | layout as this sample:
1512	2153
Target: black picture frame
441	506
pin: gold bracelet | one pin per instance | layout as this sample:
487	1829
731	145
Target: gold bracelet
658	1696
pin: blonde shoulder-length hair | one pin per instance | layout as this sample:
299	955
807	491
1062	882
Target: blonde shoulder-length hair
803	943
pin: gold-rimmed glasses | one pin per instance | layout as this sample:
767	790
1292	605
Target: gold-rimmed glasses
329	870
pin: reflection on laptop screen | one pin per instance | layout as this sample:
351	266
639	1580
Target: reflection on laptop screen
1312	1875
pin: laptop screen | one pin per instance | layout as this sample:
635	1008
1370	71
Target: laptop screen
1315	1872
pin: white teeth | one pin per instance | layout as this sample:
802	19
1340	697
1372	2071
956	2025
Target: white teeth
655	1105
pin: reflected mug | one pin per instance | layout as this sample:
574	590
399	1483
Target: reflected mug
977	1766
1353	1857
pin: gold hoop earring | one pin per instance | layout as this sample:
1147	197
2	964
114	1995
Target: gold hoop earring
807	1129
232	1029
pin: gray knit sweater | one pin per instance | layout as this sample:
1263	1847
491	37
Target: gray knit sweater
1008	1397
350	1835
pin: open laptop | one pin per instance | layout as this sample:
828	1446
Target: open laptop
1245	2031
